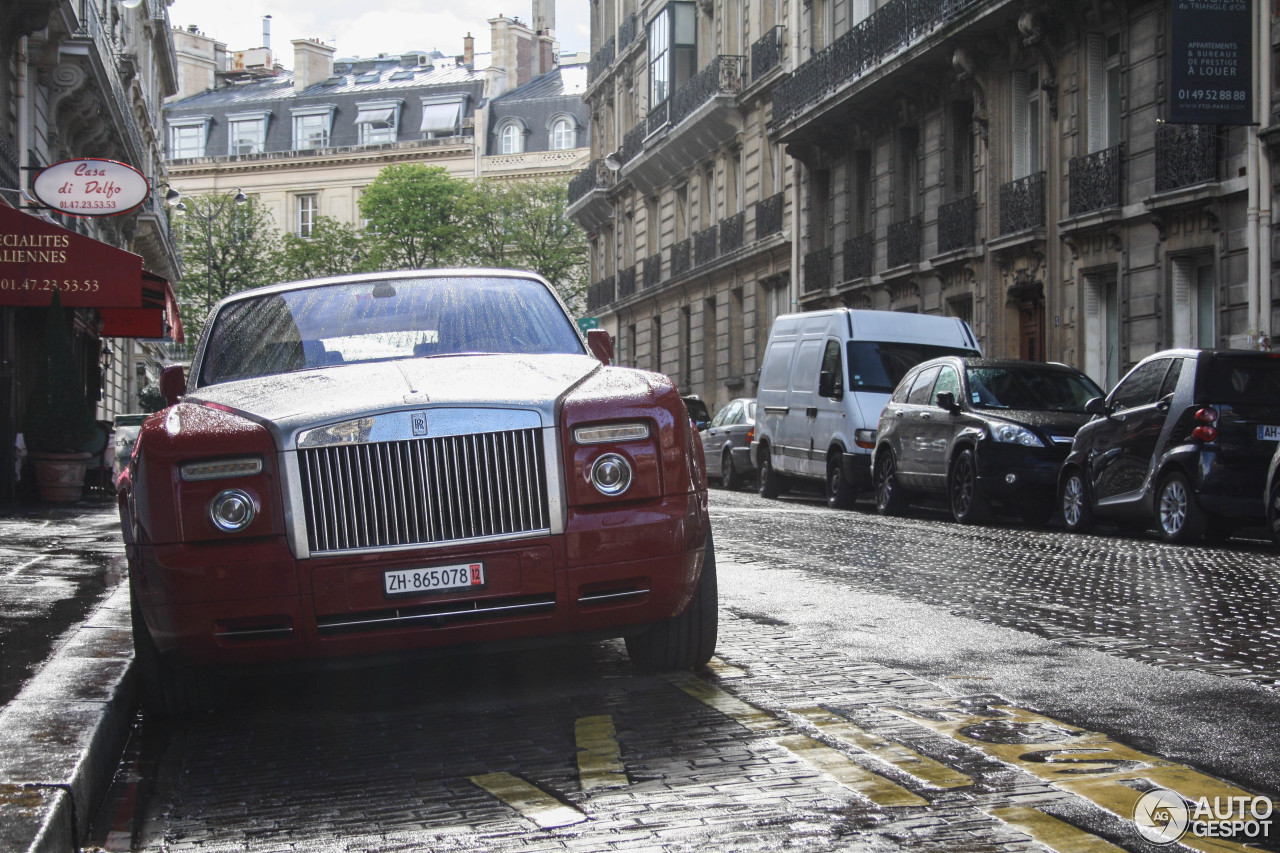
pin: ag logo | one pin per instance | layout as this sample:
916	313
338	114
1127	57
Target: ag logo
1161	816
419	423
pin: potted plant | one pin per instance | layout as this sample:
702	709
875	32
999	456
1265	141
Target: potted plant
58	427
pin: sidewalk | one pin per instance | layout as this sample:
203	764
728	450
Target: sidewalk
66	704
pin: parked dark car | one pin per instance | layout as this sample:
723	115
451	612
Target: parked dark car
698	412
1272	496
726	443
979	432
1183	440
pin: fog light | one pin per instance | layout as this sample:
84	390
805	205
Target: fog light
611	474
232	511
1011	478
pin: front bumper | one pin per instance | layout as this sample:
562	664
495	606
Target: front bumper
1009	472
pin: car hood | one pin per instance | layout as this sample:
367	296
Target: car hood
1051	423
286	403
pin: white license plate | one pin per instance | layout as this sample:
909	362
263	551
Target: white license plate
433	579
1268	433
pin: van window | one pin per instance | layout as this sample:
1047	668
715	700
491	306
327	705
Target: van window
920	389
880	365
777	361
831	364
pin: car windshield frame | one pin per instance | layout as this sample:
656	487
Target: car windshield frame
1012	387
284	330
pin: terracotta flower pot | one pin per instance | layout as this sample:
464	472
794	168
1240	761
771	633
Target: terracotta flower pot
60	476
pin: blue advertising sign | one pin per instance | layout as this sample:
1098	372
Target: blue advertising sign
1211	75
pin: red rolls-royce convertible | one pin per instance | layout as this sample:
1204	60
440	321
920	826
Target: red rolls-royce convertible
385	463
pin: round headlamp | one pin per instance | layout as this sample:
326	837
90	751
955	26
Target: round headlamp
232	510
611	474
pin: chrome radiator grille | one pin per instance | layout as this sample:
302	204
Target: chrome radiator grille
424	490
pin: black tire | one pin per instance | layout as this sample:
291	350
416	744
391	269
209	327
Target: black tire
1178	515
686	641
1074	501
166	689
1273	512
729	478
840	493
889	497
967	506
771	483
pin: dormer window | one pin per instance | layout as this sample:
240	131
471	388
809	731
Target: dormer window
378	121
311	127
511	133
442	115
247	133
564	133
187	136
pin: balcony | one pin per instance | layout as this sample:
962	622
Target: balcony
1094	181
766	54
1186	155
700	117
704	246
588	201
628	31
601	294
626	282
817	270
731	230
680	253
896	25
769	215
653	270
858	254
601	61
957	221
904	242
1022	204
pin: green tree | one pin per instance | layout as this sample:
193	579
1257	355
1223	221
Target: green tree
226	248
412	210
334	248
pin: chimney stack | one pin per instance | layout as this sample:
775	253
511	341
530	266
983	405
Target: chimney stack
266	31
312	63
469	51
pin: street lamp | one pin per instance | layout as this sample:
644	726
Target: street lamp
213	208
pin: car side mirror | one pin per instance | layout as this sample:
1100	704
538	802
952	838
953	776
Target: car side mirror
600	343
1097	406
828	386
173	383
947	400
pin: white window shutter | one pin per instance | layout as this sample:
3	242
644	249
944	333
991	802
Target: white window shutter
1181	302
1019	124
1097	73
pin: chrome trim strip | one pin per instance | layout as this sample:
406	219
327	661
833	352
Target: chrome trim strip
255	632
610	596
427	546
444	614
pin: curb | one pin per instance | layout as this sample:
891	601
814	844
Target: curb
62	735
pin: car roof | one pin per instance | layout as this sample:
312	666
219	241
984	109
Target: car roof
974	361
453	272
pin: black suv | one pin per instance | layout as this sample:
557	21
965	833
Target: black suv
979	431
1184	439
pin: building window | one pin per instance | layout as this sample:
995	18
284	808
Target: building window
1102	328
188	139
673	42
1026	123
377	122
1103	57
511	138
1194	302
247	133
311	128
563	135
442	116
306	219
908	171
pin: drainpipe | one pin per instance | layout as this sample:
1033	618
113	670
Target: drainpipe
1253	234
793	24
1263	31
24	133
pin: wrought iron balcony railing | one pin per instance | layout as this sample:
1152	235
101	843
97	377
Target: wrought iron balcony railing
957	221
602	60
904	242
658	116
626	282
680	253
1094	180
858	253
1022	204
721	76
766	53
817	270
704	246
1186	154
731	232
628	31
632	143
601	293
9	168
769	215
92	27
653	270
594	177
895	25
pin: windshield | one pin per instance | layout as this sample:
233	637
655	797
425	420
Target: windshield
376	320
879	366
1030	387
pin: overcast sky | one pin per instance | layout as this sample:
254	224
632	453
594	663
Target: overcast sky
366	28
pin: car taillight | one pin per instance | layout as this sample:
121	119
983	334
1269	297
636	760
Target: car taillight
1207	415
1206	431
751	435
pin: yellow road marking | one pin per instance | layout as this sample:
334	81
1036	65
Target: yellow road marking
532	802
1055	834
751	717
903	757
851	775
1085	763
724	670
599	757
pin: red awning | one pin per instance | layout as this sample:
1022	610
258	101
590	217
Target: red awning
37	257
158	314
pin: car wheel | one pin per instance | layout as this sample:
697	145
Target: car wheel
889	497
840	494
728	476
771	482
167	689
1178	514
686	641
1073	500
967	506
1273	512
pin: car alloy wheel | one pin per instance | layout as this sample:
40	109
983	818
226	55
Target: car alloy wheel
1180	517
1077	515
889	499
728	476
967	506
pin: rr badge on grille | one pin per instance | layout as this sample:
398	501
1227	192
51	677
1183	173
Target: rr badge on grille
419	423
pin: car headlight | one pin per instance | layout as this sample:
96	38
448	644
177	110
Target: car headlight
232	510
610	432
217	469
610	474
1014	434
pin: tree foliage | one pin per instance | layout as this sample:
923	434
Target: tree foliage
413	209
334	248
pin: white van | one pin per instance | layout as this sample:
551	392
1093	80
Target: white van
825	377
